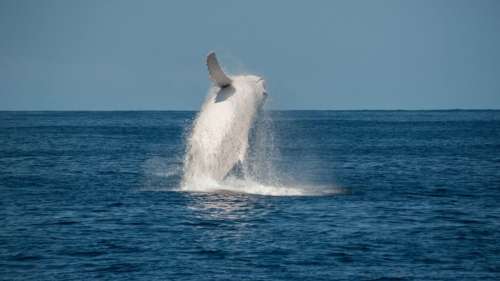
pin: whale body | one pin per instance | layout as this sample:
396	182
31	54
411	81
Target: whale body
219	136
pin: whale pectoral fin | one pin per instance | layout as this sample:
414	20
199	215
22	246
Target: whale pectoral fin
216	73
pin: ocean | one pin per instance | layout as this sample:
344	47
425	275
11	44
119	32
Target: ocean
338	195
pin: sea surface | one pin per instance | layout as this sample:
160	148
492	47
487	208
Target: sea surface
394	195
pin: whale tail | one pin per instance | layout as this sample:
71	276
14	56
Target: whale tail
216	73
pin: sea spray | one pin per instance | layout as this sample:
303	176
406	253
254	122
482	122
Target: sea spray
262	151
231	146
258	174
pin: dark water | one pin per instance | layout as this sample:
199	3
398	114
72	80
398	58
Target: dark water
91	195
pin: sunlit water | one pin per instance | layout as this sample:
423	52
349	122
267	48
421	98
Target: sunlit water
353	195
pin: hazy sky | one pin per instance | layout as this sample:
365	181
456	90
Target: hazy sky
119	55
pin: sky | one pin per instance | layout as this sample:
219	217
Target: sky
339	55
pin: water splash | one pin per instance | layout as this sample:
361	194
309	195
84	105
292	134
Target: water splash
258	175
250	186
231	146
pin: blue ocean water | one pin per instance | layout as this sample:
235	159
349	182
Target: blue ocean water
94	196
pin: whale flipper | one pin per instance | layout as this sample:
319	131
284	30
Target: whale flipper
216	73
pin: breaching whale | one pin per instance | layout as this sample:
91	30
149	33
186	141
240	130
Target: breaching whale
219	136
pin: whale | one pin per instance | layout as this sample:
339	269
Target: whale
219	137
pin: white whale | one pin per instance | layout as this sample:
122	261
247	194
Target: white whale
219	137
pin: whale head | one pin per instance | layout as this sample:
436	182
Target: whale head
252	85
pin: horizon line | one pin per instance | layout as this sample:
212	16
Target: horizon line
192	110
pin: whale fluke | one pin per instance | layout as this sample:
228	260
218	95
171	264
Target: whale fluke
216	73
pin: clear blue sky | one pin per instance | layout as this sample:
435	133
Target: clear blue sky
139	55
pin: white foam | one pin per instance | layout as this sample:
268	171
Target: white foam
219	140
252	187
